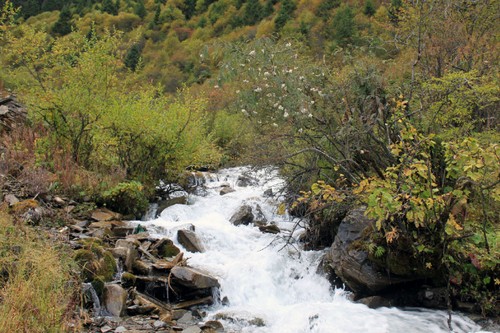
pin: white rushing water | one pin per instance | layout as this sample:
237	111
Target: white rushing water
271	287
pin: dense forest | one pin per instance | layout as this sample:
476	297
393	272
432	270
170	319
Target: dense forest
389	104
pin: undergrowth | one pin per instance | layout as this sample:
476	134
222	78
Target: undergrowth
37	288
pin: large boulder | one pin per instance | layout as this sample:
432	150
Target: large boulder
243	215
350	261
190	241
115	300
193	278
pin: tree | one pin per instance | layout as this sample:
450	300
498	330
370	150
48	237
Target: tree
284	14
109	7
343	26
252	12
63	25
369	8
133	57
140	9
156	19
268	8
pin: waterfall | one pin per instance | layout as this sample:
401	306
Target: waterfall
268	283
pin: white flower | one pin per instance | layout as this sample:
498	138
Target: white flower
275	125
252	53
288	44
283	85
245	81
301	130
310	115
258	89
216	86
266	74
285	115
244	112
237	91
280	108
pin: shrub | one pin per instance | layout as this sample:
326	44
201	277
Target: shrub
127	198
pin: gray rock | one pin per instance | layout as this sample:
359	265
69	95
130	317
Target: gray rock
191	329
115	299
11	199
120	329
259	218
243	216
192	278
106	329
226	190
164	204
244	181
187	318
351	263
214	326
159	324
190	241
268	193
375	302
270	229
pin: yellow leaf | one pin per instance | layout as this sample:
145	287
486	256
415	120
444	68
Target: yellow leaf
282	209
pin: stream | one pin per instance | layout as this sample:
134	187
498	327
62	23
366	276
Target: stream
268	283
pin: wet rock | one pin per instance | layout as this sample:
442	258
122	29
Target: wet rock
200	301
142	267
120	329
375	302
164	248
177	314
128	279
193	278
268	193
213	326
245	180
226	189
190	241
127	252
259	217
164	204
104	214
270	229
351	263
187	318
114	299
243	216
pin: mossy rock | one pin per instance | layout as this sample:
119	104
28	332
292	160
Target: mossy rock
128	279
165	248
98	285
95	262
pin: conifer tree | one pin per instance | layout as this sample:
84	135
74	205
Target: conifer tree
369	9
109	7
63	25
156	19
343	26
140	9
284	14
133	56
268	8
253	12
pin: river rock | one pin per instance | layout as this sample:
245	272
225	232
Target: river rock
243	216
213	326
226	189
270	229
164	204
244	181
375	302
164	248
193	278
115	298
190	241
351	263
104	214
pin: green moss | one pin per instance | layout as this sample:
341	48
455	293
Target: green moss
128	279
98	285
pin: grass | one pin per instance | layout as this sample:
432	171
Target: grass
37	293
